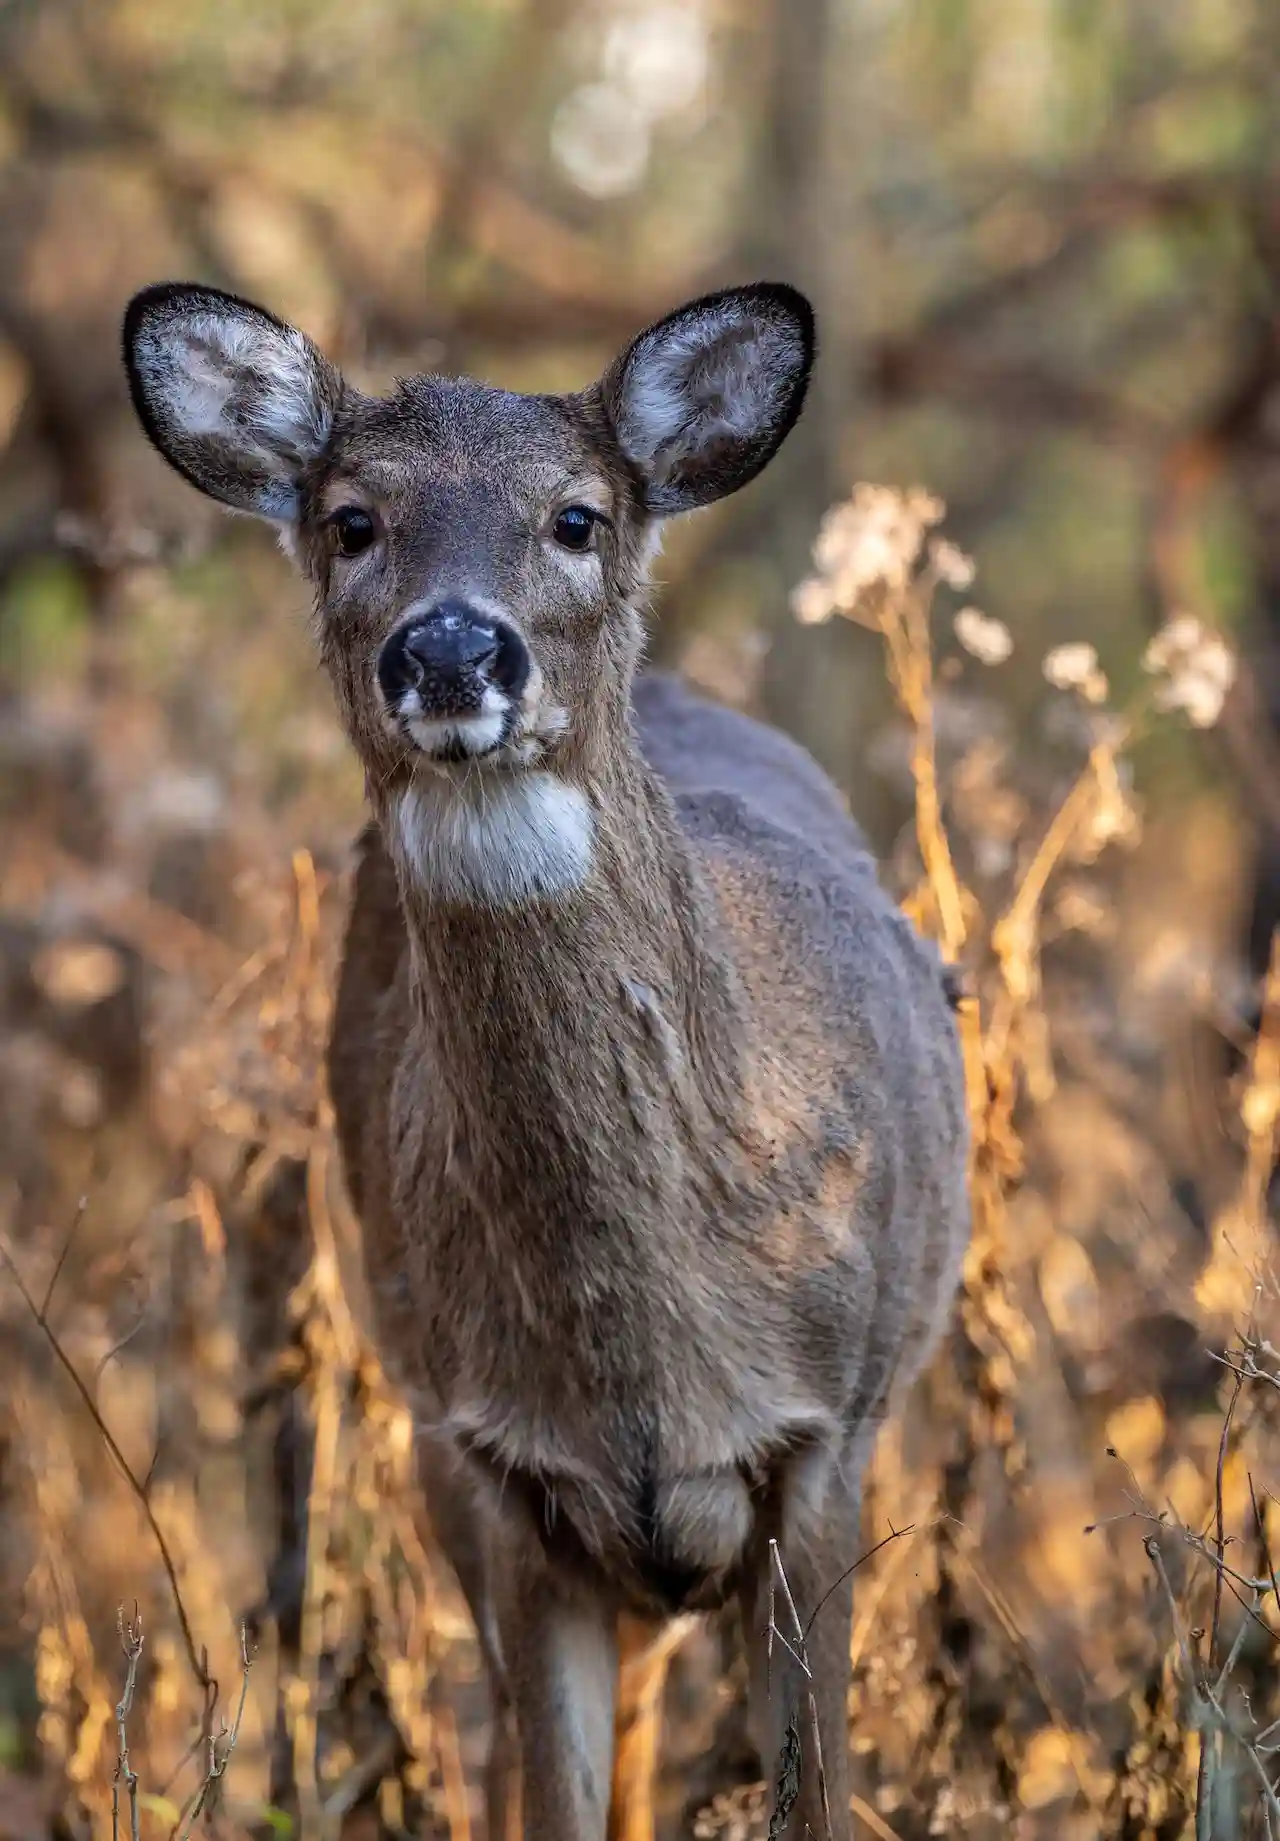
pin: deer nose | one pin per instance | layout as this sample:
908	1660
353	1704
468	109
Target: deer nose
451	641
447	657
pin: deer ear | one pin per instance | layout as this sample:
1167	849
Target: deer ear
233	398
705	398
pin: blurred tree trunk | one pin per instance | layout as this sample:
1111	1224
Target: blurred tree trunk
501	103
824	684
1261	491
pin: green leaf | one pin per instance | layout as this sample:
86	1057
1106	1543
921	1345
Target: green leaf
280	1821
162	1806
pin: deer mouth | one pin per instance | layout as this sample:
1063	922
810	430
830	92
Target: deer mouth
458	739
453	680
501	734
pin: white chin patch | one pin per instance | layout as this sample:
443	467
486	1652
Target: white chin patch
455	736
494	841
472	735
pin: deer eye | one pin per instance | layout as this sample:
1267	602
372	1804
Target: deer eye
353	530
573	528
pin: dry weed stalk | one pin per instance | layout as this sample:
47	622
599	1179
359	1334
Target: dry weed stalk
1243	1232
796	1644
1207	1723
787	1788
131	1640
367	1579
138	1486
78	1707
878	564
1208	1727
356	1694
880	561
64	1629
218	1748
362	1627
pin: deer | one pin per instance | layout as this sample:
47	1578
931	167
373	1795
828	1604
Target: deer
648	1096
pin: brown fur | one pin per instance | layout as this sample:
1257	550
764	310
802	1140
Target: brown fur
662	1176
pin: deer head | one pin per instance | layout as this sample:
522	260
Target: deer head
478	557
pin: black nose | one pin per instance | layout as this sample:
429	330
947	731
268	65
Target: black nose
450	657
450	642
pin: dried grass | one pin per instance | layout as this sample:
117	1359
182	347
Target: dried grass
197	1421
881	563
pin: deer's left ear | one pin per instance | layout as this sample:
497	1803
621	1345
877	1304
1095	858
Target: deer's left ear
704	399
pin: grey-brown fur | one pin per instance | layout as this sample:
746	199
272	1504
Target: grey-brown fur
661	1168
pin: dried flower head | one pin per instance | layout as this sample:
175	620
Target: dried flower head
987	639
1080	908
1179	636
811	601
1074	666
1196	666
873	540
951	564
1068	667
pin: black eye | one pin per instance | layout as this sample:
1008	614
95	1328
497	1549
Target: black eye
574	526
353	530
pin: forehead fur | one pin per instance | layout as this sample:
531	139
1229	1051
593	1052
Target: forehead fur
461	427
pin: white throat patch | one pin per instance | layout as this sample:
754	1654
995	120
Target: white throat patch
493	840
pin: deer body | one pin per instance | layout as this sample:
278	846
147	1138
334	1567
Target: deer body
649	1099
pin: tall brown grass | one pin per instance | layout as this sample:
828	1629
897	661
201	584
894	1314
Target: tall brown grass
1066	1621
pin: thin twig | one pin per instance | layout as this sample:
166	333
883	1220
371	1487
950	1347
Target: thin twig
1197	1543
894	1534
1214	1721
1219	1517
131	1640
81	1209
777	1568
1246	1373
1260	1523
223	1745
118	1348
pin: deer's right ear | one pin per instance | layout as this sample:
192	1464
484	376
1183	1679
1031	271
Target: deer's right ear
237	401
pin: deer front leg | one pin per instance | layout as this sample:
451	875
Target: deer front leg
550	1653
800	1678
560	1664
462	1511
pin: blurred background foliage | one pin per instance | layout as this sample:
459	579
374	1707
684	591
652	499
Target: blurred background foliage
1043	237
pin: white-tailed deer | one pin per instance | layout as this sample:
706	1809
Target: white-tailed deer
650	1100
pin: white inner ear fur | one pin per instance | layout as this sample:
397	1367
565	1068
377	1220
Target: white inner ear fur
724	373
255	386
201	390
493	840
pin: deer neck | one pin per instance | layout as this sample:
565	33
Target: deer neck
573	983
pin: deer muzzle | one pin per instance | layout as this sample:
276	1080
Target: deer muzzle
452	677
